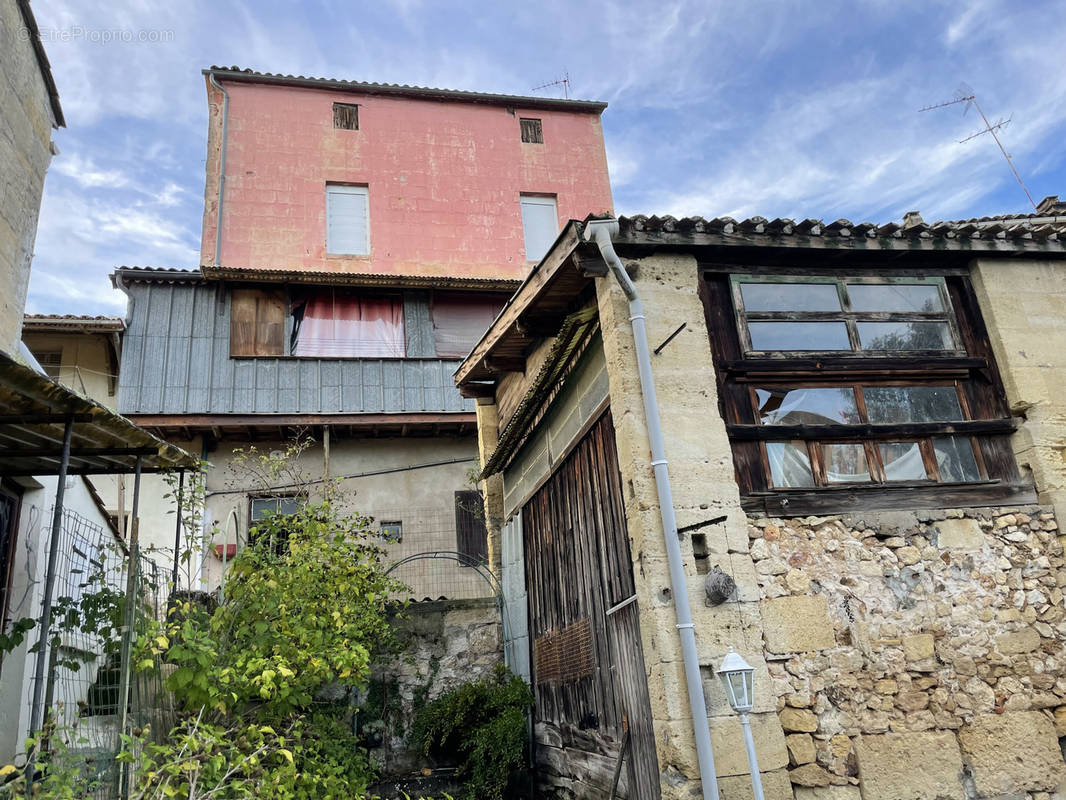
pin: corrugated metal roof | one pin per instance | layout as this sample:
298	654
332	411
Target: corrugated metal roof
33	409
235	73
360	279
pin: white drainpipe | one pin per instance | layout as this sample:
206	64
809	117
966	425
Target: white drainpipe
600	232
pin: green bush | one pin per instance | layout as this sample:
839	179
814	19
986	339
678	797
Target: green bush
482	724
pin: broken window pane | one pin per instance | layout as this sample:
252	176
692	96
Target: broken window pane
845	463
905	336
799	336
894	297
887	404
955	459
790	296
790	466
903	461
835	406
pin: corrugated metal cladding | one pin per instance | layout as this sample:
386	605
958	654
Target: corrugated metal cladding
175	360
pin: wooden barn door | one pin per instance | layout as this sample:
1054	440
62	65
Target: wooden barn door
588	664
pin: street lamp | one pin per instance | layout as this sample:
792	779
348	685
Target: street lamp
738	678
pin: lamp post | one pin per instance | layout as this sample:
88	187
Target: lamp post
738	678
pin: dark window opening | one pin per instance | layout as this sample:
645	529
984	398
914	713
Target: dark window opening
337	323
10	501
271	508
532	132
859	391
470	533
391	531
346	116
51	362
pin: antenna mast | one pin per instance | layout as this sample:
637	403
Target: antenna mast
966	95
563	81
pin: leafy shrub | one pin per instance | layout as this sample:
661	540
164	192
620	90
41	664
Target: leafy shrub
483	725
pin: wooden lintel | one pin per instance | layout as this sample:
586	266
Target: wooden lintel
540	327
501	365
477	390
217	421
870	431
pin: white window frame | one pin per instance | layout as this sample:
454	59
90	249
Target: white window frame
335	189
538	200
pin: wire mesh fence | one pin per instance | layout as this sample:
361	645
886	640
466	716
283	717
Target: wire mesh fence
94	600
406	532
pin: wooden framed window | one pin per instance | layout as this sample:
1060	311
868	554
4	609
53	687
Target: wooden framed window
858	389
257	322
471	535
261	508
778	315
532	133
346	116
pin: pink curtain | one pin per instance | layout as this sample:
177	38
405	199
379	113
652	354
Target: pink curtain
347	326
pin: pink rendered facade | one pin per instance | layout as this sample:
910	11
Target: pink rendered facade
444	179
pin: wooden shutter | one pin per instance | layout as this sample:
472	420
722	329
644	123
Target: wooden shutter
257	322
470	533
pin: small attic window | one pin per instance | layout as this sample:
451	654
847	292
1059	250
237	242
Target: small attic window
531	131
346	116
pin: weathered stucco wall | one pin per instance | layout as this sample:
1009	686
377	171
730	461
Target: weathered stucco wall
1024	307
451	172
917	655
85	363
404	490
25	152
701	470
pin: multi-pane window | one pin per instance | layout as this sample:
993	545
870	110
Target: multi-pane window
849	388
272	508
863	315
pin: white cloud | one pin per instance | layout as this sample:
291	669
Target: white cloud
87	174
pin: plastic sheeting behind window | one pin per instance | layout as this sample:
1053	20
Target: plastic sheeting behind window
460	321
337	325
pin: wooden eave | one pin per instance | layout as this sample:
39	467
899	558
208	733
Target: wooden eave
552	290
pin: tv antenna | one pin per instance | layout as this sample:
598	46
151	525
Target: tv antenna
563	81
964	94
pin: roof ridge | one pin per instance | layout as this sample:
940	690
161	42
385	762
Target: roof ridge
239	73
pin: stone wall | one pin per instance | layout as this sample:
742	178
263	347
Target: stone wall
25	152
443	644
1024	308
917	655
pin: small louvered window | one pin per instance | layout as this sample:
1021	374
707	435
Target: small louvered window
531	131
346	116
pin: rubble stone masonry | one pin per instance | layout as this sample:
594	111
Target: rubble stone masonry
933	663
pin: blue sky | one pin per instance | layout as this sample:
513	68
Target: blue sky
716	108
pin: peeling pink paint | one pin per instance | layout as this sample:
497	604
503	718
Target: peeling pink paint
444	180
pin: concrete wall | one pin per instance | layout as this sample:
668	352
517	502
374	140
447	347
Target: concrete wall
701	469
85	363
1024	307
422	499
25	151
444	180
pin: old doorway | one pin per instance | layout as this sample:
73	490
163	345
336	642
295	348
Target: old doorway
592	718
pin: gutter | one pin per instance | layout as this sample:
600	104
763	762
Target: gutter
600	233
221	167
